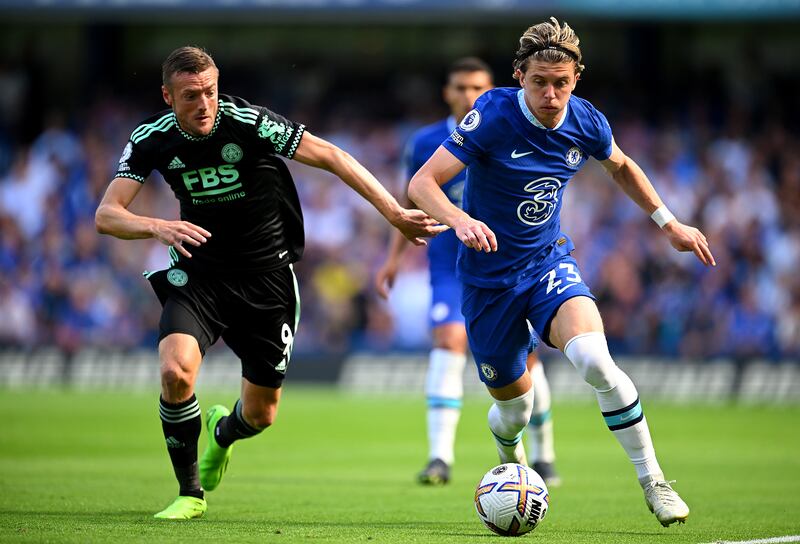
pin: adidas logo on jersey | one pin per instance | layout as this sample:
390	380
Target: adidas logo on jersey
176	163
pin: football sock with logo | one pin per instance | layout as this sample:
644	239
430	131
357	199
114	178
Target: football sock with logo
540	427
618	400
444	389
233	427
507	420
181	424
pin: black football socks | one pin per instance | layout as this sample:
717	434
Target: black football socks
181	423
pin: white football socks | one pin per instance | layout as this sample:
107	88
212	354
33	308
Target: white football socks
618	400
444	389
507	420
540	428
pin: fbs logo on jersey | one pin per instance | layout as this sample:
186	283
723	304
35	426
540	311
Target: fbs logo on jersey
177	277
175	164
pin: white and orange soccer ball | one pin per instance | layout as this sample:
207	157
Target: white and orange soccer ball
511	499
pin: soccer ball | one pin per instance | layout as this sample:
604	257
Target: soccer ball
511	499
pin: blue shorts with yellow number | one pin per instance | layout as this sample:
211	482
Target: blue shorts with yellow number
497	319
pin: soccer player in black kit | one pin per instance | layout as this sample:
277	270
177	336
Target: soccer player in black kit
230	273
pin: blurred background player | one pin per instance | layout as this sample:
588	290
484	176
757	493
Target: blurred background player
467	79
521	148
230	273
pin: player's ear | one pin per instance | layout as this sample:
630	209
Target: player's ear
520	77
166	96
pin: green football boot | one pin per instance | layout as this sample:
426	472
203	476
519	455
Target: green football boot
184	508
215	459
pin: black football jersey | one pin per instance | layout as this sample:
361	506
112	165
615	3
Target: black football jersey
230	182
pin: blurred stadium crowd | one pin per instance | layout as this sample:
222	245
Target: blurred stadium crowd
63	285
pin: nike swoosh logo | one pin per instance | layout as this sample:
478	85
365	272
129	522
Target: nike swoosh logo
562	289
282	254
627	417
515	155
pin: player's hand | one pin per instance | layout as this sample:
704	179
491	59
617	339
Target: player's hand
384	279
475	234
178	233
416	225
686	238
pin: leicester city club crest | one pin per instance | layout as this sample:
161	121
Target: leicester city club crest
177	277
231	153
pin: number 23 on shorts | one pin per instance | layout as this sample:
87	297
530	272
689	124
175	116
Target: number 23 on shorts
561	278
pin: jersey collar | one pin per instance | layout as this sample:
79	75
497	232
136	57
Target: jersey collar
523	106
201	138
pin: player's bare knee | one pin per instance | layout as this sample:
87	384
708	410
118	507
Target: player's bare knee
262	417
175	378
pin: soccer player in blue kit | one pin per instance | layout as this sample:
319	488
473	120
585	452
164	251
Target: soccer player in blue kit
521	147
467	79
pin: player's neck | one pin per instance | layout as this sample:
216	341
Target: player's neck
550	121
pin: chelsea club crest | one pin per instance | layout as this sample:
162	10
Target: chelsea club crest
574	157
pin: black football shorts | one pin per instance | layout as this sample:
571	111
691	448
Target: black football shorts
256	315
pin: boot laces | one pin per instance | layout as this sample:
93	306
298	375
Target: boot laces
663	492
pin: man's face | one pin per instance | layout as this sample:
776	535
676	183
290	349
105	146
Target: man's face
548	87
463	89
193	98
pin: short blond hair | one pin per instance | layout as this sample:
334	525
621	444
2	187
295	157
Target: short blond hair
549	41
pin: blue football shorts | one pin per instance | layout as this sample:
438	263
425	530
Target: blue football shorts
445	286
497	319
445	300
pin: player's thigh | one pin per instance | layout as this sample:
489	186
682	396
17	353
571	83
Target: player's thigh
577	315
188	307
498	334
513	390
182	341
180	350
262	325
553	293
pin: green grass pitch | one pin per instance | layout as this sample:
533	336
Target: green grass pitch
87	467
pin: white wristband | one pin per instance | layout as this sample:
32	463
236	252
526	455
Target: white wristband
662	216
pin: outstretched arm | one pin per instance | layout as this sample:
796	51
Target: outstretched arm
414	224
113	217
630	177
425	190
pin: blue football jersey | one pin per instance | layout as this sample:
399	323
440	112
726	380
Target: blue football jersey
516	174
442	249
